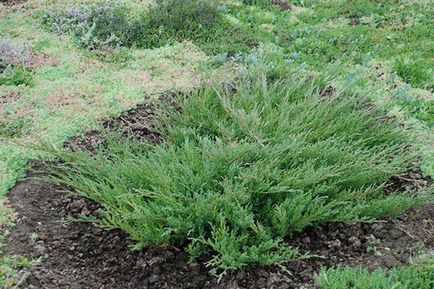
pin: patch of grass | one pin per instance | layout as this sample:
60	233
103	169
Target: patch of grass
418	275
183	16
416	73
246	165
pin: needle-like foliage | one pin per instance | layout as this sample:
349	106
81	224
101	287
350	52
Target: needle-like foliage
245	165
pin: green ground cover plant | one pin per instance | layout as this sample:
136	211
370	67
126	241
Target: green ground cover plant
417	275
245	165
16	76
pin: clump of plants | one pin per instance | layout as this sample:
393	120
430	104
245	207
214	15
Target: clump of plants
14	58
111	23
16	76
244	166
94	25
14	53
181	19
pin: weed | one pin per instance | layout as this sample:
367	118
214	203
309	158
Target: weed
245	166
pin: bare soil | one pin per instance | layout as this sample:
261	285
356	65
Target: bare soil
79	255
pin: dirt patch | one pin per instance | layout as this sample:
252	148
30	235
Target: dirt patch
80	255
139	123
12	2
327	91
281	4
410	181
355	21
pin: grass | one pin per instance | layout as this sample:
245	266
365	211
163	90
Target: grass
417	275
246	165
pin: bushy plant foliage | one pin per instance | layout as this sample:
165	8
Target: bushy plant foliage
245	165
171	20
14	53
111	23
95	25
15	76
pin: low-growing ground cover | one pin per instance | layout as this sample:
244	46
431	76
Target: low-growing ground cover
245	165
64	66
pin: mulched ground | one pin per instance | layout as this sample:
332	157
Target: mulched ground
12	2
78	255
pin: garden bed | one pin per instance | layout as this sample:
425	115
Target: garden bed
81	255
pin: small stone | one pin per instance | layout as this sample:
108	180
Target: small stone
40	250
153	279
355	242
335	244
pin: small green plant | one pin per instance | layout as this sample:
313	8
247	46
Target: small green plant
244	166
9	268
414	276
16	76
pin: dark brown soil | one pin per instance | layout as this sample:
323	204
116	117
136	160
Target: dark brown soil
12	2
80	255
355	21
281	4
139	123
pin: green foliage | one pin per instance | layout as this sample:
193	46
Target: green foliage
9	268
13	128
13	75
106	24
178	20
184	16
14	53
244	166
414	276
416	73
95	25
